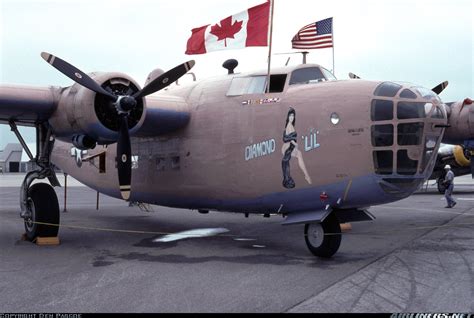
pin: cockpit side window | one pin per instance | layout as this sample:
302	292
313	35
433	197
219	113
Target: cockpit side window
307	76
256	85
247	85
277	83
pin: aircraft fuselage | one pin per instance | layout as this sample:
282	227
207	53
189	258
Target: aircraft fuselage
237	153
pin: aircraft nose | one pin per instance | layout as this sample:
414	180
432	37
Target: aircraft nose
406	132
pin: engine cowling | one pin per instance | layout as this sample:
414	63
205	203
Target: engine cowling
456	156
153	75
84	115
461	122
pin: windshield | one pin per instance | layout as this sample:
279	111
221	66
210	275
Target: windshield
307	76
329	75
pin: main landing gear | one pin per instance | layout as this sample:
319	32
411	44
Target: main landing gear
323	239
39	203
43	209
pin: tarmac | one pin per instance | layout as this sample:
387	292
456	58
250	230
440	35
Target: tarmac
416	256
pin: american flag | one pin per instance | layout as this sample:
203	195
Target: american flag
314	36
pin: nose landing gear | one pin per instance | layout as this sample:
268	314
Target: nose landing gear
323	239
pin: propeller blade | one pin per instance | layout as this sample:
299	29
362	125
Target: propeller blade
440	88
124	159
353	76
75	74
165	79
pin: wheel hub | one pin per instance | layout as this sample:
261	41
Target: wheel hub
29	216
316	235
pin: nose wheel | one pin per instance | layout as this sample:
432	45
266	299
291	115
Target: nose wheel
43	209
323	239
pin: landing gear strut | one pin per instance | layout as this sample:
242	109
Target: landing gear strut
39	203
323	239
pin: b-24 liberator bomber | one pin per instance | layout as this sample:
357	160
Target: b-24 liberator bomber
315	150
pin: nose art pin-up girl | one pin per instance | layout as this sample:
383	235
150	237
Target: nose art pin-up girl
290	149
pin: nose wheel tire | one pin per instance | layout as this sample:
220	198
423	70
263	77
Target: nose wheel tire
44	207
323	239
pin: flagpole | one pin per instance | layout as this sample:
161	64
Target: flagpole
272	3
333	42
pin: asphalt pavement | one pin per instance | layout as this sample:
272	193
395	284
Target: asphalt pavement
416	256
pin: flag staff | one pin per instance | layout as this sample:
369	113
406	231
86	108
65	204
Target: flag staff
272	5
333	42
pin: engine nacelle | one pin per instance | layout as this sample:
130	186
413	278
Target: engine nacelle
85	116
456	156
153	75
461	121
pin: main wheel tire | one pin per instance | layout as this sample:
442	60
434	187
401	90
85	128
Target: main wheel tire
441	186
320	244
44	209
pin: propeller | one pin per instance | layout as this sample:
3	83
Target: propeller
353	76
75	74
440	88
124	105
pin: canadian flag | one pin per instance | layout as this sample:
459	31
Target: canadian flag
247	28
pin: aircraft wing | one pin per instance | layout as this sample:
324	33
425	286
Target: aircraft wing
26	105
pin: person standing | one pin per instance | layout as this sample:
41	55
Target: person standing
449	184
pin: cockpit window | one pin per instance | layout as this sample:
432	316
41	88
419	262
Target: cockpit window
247	85
256	85
329	76
307	76
388	89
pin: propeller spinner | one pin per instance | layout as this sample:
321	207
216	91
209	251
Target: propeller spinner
124	105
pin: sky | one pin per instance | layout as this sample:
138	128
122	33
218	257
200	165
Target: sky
420	41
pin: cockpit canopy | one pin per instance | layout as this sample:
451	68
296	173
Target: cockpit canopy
255	83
